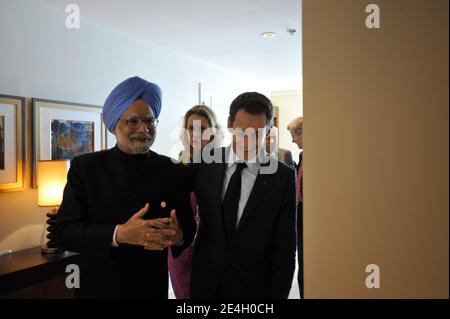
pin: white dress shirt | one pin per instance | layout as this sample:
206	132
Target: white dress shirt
249	175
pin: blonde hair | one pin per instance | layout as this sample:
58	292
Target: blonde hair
295	125
217	135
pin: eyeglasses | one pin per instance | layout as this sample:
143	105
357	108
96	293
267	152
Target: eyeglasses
136	122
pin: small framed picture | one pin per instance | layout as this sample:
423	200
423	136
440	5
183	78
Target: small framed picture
63	130
12	142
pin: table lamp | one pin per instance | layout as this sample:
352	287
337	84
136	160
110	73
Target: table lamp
51	179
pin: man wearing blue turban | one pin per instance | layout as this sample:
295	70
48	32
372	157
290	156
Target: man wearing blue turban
122	208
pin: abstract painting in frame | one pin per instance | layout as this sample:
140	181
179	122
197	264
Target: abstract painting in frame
64	130
12	142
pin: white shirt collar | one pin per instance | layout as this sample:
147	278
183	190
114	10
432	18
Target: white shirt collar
232	158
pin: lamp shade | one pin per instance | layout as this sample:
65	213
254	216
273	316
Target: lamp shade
52	177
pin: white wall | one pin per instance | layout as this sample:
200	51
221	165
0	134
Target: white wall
290	106
40	57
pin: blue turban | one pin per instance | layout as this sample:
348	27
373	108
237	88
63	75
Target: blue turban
125	94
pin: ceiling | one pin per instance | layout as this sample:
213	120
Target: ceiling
226	32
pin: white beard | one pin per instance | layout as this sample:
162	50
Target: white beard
140	147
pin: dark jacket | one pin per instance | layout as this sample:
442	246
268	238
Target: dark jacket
105	189
259	261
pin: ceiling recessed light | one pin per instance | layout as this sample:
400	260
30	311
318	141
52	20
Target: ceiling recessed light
268	34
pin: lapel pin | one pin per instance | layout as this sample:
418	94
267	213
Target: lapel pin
163	204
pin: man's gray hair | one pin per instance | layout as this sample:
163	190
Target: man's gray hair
296	125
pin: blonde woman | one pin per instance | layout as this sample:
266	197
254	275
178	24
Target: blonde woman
200	130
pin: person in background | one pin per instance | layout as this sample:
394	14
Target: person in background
200	130
295	127
123	207
272	148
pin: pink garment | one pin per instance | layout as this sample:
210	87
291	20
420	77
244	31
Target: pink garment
180	267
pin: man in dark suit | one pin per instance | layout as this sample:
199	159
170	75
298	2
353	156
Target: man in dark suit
295	127
245	246
121	207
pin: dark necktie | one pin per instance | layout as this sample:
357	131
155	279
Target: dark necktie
230	202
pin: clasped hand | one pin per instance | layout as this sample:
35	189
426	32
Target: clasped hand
152	234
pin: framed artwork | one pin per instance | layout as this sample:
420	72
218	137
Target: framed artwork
12	142
64	130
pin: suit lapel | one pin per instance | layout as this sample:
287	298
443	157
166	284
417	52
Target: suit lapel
216	184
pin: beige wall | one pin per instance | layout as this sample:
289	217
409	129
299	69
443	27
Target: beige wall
376	141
